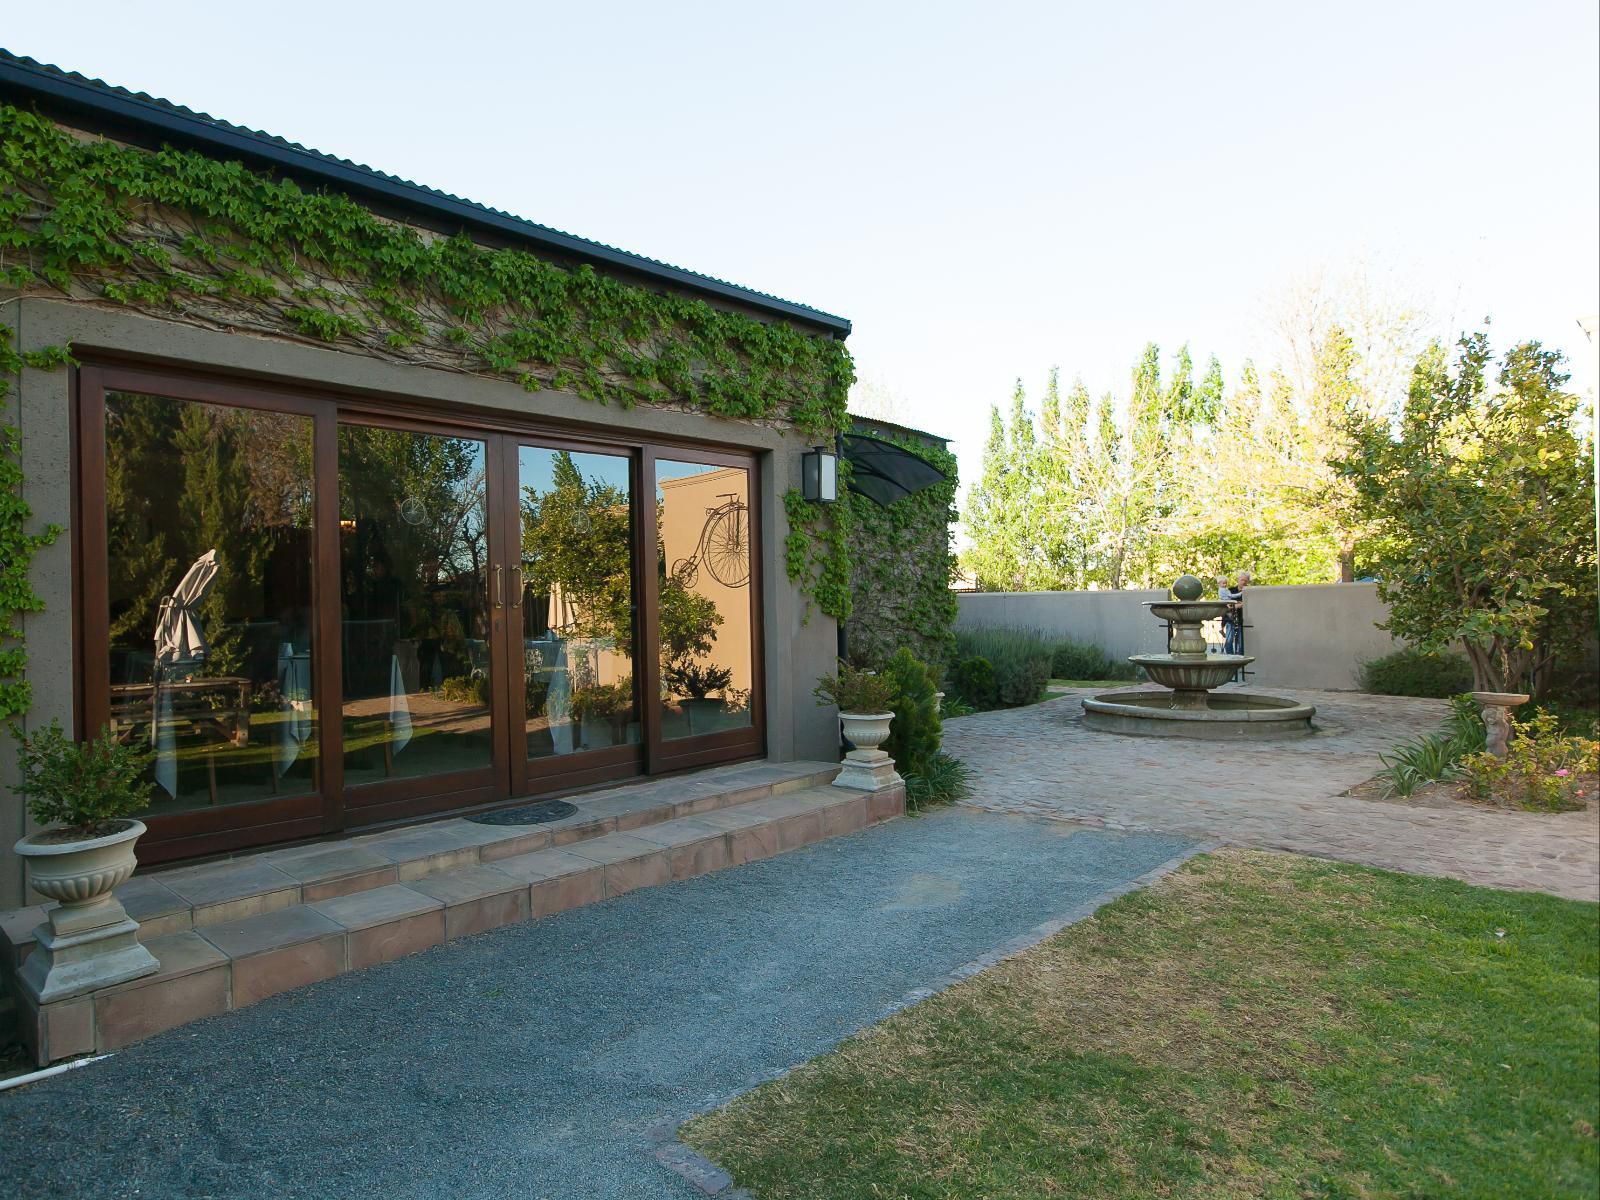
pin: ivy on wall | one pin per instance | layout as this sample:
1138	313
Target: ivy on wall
17	544
213	243
901	567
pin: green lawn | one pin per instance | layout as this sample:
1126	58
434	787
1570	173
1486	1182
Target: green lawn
1254	1025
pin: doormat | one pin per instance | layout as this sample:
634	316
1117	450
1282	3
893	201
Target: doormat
529	814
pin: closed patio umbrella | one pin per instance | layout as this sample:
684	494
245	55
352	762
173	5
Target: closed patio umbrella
180	642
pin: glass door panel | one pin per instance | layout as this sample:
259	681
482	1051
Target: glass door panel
415	586
208	576
574	588
703	600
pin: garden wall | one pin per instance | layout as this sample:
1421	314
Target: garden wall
1310	636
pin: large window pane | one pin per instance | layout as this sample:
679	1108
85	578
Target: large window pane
414	564
703	563
208	570
577	601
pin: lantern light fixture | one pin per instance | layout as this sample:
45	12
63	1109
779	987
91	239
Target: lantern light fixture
819	475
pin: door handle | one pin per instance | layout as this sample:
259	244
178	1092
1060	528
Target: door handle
499	586
517	584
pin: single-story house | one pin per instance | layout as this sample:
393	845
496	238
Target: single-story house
376	503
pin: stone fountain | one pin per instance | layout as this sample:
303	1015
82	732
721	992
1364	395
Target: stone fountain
1189	708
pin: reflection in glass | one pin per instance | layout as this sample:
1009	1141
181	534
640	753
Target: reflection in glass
577	601
413	552
703	564
209	553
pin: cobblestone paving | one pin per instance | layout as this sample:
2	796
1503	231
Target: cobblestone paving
1286	795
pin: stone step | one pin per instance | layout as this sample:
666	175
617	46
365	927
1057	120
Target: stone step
227	964
216	893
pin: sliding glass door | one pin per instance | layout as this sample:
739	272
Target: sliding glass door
575	619
318	616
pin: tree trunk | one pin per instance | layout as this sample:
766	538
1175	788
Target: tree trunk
1486	673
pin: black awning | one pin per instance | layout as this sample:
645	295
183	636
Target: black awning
884	472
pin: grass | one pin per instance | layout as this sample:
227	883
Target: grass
1255	1025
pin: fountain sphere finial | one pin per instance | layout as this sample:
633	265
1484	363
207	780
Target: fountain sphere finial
1187	587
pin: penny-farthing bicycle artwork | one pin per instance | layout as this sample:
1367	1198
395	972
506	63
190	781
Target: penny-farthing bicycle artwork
724	546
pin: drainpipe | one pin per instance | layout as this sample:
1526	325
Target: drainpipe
17	1081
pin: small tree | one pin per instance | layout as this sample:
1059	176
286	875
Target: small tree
1480	497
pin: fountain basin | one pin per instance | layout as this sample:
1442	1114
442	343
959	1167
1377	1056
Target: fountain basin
1189	673
1227	716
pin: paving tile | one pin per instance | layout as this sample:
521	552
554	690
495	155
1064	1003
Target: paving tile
158	909
572	890
424	849
614	847
476	899
261	975
61	1030
378	906
840	819
699	858
749	845
680	832
17	926
126	1016
798	830
270	931
514	840
336	869
580	827
731	818
629	874
231	891
544	864
179	954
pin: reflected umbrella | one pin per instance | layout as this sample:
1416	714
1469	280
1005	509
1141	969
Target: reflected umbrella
180	647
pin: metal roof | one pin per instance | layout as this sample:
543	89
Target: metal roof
111	108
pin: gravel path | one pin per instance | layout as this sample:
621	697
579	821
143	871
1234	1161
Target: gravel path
541	1060
1279	795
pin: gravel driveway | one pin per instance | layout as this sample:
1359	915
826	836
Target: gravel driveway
541	1060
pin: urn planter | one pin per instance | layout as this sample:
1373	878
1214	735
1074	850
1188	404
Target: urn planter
87	941
866	768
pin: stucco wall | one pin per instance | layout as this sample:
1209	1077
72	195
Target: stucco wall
797	650
1312	636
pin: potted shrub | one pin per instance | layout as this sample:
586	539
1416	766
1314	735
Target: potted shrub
85	794
864	701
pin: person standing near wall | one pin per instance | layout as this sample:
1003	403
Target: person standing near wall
1233	619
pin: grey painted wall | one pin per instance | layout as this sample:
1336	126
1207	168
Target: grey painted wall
799	645
1312	636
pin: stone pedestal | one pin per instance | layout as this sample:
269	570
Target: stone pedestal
867	771
82	948
1496	708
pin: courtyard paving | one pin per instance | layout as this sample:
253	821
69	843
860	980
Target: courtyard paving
1280	795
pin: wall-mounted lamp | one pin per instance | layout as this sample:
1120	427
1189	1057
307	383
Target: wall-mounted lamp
819	475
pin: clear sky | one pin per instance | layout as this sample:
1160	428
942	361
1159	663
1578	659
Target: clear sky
986	189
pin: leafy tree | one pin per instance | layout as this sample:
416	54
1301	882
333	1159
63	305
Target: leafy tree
1480	495
577	537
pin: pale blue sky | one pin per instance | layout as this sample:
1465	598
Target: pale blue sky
986	190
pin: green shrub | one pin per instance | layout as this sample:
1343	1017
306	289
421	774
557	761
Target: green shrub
916	731
1435	756
464	689
855	690
1080	660
1415	673
942	780
1020	658
84	787
1543	769
973	683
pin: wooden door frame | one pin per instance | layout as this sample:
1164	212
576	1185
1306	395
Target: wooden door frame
225	827
678	754
329	809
